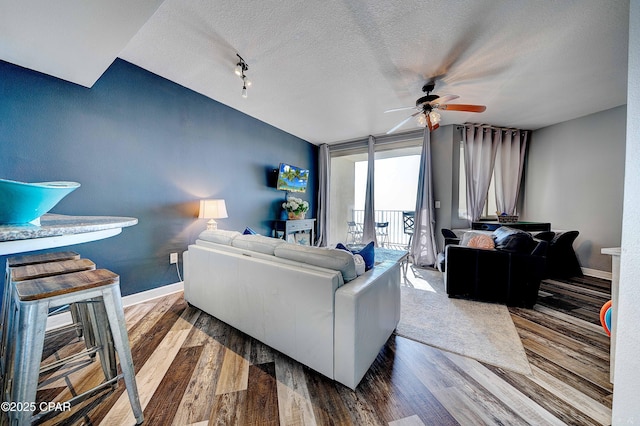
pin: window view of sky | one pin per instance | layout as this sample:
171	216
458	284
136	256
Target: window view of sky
396	183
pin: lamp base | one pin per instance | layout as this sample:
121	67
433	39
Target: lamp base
212	225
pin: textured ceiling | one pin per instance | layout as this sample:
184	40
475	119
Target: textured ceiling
326	70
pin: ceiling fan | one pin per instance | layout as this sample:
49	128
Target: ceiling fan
427	106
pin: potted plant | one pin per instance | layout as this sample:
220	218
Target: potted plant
296	208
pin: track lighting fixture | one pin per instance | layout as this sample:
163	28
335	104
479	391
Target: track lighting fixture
241	68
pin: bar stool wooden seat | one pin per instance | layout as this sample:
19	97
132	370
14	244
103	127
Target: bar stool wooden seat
27	267
99	289
81	318
25	260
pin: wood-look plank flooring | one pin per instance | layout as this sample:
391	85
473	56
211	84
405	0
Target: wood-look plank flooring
195	370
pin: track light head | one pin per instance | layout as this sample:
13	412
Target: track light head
241	68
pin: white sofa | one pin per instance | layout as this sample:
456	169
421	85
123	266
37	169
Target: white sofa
275	292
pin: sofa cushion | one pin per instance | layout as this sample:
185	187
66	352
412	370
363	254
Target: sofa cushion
337	260
361	267
258	243
368	254
218	236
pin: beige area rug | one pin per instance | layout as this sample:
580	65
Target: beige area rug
482	331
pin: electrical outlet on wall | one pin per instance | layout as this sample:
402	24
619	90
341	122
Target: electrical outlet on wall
173	258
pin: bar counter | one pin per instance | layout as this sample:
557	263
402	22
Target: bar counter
57	230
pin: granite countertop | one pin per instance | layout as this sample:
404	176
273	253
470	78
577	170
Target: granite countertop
53	225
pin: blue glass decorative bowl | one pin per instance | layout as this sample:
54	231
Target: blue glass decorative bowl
25	202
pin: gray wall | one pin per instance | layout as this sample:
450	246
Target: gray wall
444	189
145	147
574	179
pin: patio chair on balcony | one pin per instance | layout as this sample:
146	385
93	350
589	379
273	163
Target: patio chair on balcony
408	221
382	233
354	233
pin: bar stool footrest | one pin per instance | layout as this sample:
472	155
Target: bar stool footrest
79	398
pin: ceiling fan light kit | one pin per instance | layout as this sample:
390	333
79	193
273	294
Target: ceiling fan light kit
241	68
427	106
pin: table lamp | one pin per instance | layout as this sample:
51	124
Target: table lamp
212	209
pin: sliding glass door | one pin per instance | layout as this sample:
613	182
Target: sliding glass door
395	182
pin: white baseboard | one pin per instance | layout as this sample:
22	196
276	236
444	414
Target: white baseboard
60	320
597	273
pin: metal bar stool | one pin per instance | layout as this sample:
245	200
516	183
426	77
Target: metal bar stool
354	233
81	320
24	260
32	299
382	233
408	222
20	268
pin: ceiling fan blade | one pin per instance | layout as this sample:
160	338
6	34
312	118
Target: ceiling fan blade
399	109
463	107
403	122
444	99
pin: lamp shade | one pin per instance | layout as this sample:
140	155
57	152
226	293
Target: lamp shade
212	209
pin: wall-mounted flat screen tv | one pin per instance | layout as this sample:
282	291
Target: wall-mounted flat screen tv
291	178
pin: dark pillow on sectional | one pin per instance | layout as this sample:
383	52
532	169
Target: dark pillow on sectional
249	231
513	240
367	252
503	232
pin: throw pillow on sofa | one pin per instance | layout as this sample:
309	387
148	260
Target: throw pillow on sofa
249	231
481	242
513	240
367	252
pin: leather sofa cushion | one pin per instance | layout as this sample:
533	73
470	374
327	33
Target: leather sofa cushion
337	260
258	243
219	236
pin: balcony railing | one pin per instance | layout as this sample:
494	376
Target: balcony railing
397	238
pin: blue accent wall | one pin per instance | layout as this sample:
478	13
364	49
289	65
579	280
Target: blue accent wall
144	147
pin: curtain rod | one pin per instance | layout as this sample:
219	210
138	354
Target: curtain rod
380	140
488	126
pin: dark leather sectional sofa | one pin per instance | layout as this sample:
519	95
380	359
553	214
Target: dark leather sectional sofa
509	274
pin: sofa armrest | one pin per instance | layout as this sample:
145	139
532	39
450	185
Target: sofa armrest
476	272
367	311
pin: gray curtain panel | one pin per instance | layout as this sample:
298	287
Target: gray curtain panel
423	246
324	208
369	227
480	146
508	169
